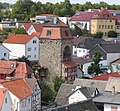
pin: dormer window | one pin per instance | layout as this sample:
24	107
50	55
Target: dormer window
34	41
49	33
105	15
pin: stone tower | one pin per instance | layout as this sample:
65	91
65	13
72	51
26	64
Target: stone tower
55	47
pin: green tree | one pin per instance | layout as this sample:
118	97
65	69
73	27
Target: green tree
98	34
112	34
19	31
57	82
24	59
47	94
76	31
94	68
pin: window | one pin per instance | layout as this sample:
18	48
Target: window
99	26
102	26
75	52
110	20
29	49
49	33
29	56
29	76
34	56
105	15
79	50
108	26
5	54
66	32
29	100
35	48
105	33
34	41
5	100
105	26
83	50
111	26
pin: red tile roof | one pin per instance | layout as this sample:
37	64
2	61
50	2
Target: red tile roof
69	64
38	27
58	31
106	76
103	15
5	67
21	69
18	39
18	87
26	26
2	96
83	16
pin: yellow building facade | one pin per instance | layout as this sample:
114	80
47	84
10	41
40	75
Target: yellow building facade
104	22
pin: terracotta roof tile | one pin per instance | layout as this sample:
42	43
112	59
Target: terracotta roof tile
21	69
26	25
18	39
18	87
103	15
83	16
106	76
38	27
57	31
5	67
2	96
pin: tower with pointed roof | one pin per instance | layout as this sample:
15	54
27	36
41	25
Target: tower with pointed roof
55	47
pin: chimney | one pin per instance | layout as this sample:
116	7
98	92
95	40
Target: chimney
113	90
55	20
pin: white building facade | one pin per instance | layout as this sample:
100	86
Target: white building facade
4	52
30	49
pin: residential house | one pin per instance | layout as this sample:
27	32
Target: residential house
108	97
35	29
82	45
13	69
23	45
44	17
85	62
36	95
115	65
109	51
4	52
104	22
6	25
69	70
5	100
82	20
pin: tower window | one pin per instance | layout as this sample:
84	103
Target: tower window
49	33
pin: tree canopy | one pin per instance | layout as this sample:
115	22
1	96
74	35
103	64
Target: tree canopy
27	8
94	68
112	34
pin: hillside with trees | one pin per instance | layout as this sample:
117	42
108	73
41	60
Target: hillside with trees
24	9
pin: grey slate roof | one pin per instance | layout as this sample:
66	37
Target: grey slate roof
87	42
109	47
100	85
107	97
81	60
79	106
113	81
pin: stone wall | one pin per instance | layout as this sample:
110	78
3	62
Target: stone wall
51	55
